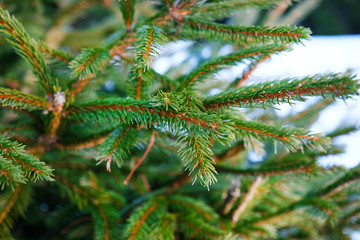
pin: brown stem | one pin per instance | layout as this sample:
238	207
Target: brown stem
151	143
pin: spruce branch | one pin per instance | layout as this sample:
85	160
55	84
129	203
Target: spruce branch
340	184
131	111
293	139
18	100
25	46
285	91
13	205
239	82
139	224
196	154
238	34
191	206
253	53
149	40
55	53
296	167
217	10
195	228
151	143
117	147
253	191
17	165
83	199
89	62
127	9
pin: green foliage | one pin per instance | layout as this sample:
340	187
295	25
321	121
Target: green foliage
89	62
242	34
25	46
17	165
149	40
252	54
18	100
285	91
117	147
104	104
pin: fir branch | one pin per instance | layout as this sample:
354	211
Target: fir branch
131	111
253	191
239	82
21	164
297	167
13	205
216	10
149	40
16	99
340	184
138	223
151	143
196	154
287	90
25	46
55	53
10	174
82	145
195	228
187	205
292	138
254	53
238	34
127	9
82	198
90	62
116	147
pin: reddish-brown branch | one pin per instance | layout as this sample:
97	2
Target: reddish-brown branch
281	138
115	146
151	143
82	145
103	215
278	95
95	202
161	113
246	74
247	33
10	203
23	100
199	158
195	208
253	191
142	220
52	54
26	165
252	172
247	55
75	223
129	19
138	88
149	44
28	51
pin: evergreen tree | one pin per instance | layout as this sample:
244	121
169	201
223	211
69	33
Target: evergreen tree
95	144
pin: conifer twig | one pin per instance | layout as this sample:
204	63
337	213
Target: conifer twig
25	47
151	143
240	81
10	203
253	191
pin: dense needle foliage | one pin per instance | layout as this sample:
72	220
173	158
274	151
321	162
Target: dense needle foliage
97	144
